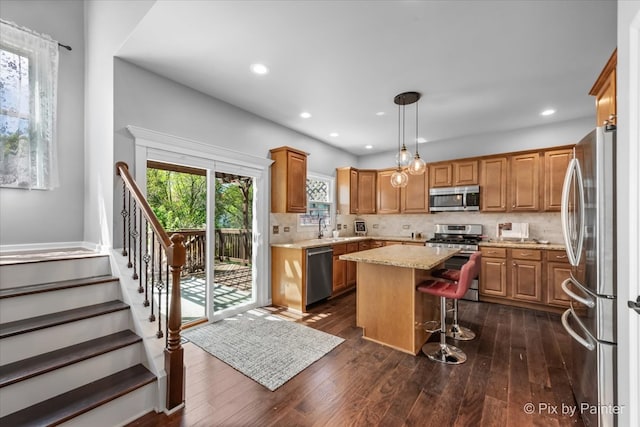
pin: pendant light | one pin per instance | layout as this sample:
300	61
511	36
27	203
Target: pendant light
399	178
417	165
404	156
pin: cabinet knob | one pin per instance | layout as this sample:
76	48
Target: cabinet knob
515	265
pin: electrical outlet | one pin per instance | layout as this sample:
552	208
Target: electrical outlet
339	227
276	229
286	229
406	227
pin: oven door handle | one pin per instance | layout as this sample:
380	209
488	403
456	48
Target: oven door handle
585	342
565	287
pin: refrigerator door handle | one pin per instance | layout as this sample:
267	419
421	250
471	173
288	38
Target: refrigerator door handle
565	287
634	305
572	253
587	343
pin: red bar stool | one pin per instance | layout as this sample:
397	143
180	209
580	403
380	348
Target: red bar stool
456	331
443	352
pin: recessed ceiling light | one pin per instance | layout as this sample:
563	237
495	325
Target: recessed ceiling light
421	140
334	134
305	115
259	69
380	113
548	112
368	146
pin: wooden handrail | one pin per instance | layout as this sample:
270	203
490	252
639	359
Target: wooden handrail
175	252
123	170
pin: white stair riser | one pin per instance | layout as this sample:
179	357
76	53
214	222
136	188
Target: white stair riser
121	411
32	273
31	344
28	306
29	392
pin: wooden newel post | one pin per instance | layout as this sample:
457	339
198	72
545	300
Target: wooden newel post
174	353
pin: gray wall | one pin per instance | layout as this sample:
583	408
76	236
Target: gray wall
150	101
562	133
35	216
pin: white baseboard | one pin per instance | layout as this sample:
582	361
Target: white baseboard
30	247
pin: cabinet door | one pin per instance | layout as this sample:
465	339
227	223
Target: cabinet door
441	175
465	173
557	272
339	274
415	196
555	167
296	182
525	177
353	191
604	89
351	265
526	280
367	191
388	197
493	191
493	277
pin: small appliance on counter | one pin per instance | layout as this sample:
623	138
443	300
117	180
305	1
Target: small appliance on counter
512	230
459	236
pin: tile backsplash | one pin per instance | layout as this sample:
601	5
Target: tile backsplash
542	225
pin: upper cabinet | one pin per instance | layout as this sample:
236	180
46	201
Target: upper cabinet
288	180
453	174
356	191
414	198
524	180
493	184
604	89
555	167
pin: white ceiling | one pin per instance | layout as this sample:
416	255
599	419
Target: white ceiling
481	66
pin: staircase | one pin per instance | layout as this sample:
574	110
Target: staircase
67	351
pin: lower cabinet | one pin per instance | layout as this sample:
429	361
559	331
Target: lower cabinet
529	278
344	272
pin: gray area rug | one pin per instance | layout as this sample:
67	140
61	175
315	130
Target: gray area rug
265	348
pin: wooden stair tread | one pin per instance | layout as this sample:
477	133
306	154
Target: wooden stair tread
48	320
66	406
54	286
47	362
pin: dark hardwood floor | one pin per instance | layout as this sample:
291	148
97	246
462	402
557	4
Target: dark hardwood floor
519	357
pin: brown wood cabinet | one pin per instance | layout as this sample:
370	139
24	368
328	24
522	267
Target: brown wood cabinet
339	268
526	275
288	180
453	174
493	272
388	197
414	198
352	266
524	182
355	191
555	167
558	270
604	89
367	191
493	184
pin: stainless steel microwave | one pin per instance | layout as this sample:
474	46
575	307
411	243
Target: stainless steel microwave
466	198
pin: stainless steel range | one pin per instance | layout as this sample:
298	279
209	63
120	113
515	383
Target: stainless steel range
458	236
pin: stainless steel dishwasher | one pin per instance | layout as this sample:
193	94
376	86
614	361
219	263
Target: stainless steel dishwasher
319	274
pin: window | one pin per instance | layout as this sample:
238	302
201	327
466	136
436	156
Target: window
28	86
319	201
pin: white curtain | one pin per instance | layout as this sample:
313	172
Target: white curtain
28	98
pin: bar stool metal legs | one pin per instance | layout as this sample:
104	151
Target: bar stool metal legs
456	331
441	351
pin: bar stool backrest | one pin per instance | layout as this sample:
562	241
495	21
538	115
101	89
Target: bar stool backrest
466	277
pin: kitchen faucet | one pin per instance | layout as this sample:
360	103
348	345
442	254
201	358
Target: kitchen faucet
320	223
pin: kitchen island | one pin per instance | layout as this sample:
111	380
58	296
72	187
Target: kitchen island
388	308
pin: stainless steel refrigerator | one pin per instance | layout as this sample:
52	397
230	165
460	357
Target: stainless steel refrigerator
588	225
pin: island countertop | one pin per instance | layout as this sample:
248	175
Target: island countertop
418	257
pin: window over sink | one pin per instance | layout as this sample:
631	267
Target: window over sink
320	201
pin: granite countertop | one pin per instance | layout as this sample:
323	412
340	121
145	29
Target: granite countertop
327	241
527	244
419	257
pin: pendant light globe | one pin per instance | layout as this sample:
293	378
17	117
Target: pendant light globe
403	158
417	165
399	179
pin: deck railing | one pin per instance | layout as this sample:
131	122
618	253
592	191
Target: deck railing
231	244
157	261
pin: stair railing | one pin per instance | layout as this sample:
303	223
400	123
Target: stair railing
152	252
